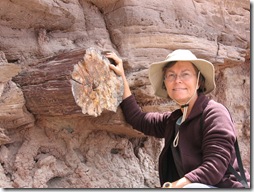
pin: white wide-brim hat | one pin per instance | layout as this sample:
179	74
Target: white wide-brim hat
205	67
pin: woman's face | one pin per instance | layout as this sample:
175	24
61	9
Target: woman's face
181	81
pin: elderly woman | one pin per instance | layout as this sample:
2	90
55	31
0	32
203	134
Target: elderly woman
199	137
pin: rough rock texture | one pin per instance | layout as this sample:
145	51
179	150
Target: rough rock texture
45	139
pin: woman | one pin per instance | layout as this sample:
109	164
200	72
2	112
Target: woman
199	137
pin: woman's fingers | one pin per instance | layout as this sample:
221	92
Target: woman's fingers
112	55
117	64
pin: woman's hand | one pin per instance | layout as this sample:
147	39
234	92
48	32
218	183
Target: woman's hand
177	184
118	68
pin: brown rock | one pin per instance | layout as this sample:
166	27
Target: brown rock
7	70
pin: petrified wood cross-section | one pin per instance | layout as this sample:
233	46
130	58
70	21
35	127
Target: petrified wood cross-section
94	86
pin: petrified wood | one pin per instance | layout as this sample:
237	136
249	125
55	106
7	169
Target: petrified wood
71	83
94	86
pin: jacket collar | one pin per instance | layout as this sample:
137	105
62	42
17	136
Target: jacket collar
197	109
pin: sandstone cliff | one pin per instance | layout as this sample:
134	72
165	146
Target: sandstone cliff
45	139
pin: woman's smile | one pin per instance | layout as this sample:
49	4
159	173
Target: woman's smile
179	89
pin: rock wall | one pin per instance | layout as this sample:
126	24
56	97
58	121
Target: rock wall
49	143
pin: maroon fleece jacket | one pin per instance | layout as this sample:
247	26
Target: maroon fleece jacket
206	147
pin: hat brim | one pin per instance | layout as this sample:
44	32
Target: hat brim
205	67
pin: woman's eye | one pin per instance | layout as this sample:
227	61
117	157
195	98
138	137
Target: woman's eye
186	74
170	76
